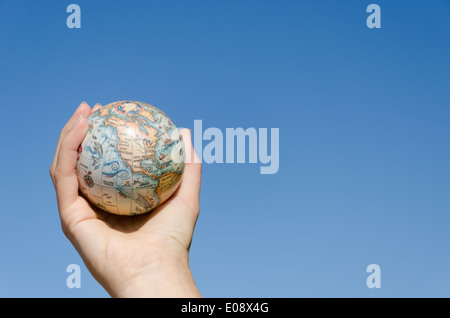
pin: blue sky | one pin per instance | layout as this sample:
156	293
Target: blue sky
364	125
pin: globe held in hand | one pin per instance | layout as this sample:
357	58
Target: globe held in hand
131	159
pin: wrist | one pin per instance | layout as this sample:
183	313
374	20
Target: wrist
164	278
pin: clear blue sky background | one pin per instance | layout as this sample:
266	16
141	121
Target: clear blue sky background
364	137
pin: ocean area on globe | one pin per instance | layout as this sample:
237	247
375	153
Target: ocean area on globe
131	160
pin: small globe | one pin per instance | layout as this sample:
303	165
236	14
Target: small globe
131	159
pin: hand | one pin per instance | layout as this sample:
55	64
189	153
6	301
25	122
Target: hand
130	256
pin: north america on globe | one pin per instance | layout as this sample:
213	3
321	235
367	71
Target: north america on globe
131	160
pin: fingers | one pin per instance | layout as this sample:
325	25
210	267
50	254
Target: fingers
96	107
66	182
189	190
82	109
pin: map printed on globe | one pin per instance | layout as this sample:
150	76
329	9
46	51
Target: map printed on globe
131	159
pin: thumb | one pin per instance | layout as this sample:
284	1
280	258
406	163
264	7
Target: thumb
189	190
66	182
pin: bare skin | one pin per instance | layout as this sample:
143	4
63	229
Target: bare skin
138	256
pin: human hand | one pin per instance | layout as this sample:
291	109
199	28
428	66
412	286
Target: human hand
130	256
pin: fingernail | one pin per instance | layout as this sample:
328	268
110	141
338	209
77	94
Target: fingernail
77	121
97	107
184	130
